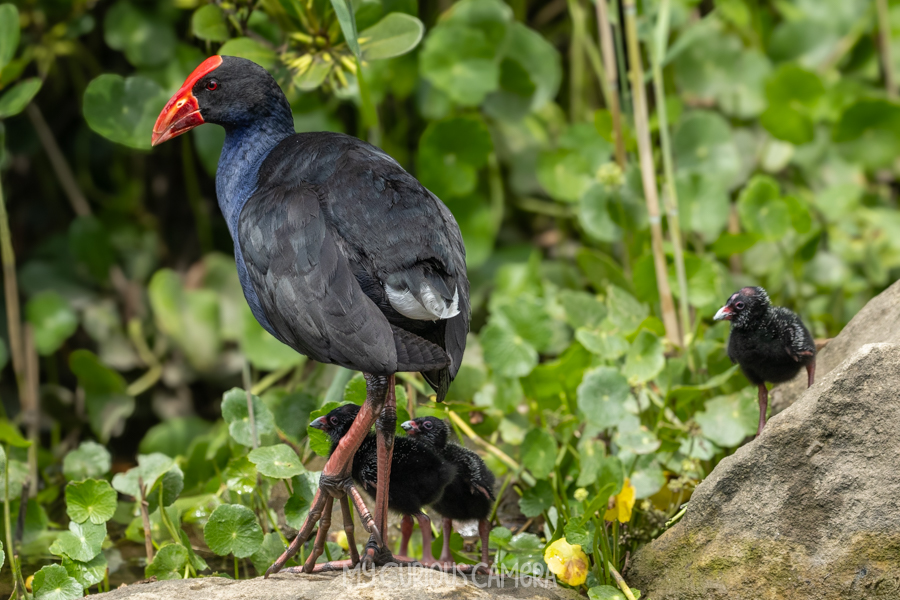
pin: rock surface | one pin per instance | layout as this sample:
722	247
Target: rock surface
877	322
389	584
809	510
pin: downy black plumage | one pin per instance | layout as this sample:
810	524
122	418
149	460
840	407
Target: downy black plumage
471	493
419	475
770	343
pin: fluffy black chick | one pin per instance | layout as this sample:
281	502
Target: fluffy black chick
471	493
418	473
770	343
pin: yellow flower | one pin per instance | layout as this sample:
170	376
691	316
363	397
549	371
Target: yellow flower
341	539
623	502
567	562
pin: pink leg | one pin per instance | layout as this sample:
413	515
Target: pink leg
763	407
335	481
425	527
406	529
811	373
446	558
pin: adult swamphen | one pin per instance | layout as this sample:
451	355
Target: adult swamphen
342	255
770	343
471	493
418	474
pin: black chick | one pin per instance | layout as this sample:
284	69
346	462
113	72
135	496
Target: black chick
770	343
418	474
471	493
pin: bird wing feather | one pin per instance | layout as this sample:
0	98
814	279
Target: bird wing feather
305	284
795	338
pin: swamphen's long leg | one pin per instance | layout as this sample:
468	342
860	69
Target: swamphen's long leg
321	536
347	516
425	526
406	529
763	407
446	558
335	481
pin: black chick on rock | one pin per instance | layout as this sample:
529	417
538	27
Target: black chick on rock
418	474
770	343
471	493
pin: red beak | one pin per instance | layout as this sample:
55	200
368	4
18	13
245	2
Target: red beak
182	111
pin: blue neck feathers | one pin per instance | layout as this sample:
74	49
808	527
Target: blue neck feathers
246	147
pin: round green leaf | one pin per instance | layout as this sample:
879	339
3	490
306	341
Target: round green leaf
602	395
250	49
169	563
792	85
92	500
53	321
537	499
602	341
235	413
605	592
146	38
565	174
9	33
450	153
539	453
15	99
727	420
625	312
262	350
169	485
786	123
645	358
279	461
703	204
582	309
208	23
506	352
150	468
233	529
703	144
461	62
268	553
86	573
594	213
82	541
52	582
123	109
395	34
762	210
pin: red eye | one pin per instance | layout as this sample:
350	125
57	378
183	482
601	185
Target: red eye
212	84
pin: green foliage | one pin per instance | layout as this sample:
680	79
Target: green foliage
233	529
783	144
54	583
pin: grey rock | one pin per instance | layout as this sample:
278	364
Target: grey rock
877	322
809	510
388	584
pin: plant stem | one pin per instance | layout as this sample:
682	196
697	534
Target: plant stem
58	162
648	177
31	407
577	111
884	43
10	550
621	582
237	574
11	294
247	386
145	519
670	198
612	78
336	389
271	379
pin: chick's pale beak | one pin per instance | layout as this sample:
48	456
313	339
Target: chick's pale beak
318	423
409	426
725	313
